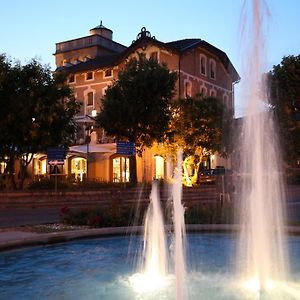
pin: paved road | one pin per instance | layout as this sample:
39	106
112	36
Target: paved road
10	217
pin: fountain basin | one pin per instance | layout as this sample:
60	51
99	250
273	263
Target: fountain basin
103	268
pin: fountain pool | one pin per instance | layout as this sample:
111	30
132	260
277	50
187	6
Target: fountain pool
104	269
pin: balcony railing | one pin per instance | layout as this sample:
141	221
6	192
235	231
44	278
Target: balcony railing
93	40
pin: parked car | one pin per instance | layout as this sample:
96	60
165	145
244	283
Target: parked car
206	176
210	176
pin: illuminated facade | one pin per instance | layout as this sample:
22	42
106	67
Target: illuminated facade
93	62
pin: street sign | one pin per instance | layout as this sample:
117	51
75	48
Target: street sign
126	148
56	156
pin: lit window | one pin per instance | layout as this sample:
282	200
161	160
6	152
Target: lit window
159	167
202	64
72	78
3	166
188	89
90	99
121	169
78	168
212	65
89	75
108	73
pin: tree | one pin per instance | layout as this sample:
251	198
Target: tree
285	100
37	112
200	126
136	108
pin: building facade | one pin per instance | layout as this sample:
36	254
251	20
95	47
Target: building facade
93	62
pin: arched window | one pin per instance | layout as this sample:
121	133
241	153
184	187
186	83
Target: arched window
213	93
159	167
120	168
212	67
78	168
202	64
203	91
187	89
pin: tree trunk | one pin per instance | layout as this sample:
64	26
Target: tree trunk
24	163
132	170
11	172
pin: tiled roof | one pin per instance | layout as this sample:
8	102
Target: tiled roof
179	46
182	45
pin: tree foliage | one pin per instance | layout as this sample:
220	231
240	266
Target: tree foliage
285	99
37	112
200	126
136	107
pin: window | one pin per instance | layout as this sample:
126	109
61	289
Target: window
203	90
78	168
188	89
89	75
202	64
72	78
213	93
120	169
154	56
212	64
90	99
108	73
159	167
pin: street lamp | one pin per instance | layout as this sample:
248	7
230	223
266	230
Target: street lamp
89	129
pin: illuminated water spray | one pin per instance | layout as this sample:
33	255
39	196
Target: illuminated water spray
262	247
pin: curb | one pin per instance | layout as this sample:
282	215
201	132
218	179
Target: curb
65	236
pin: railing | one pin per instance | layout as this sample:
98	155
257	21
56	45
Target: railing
93	40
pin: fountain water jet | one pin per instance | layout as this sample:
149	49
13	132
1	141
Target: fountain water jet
179	231
262	246
155	247
154	265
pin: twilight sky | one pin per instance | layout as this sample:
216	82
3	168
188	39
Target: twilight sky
30	28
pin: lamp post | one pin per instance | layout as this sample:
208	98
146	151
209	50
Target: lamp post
89	129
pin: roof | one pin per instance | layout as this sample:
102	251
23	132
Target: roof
182	45
101	27
144	38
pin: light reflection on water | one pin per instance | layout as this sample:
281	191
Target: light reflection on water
101	269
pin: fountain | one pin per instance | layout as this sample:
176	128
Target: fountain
179	230
154	261
262	244
97	269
